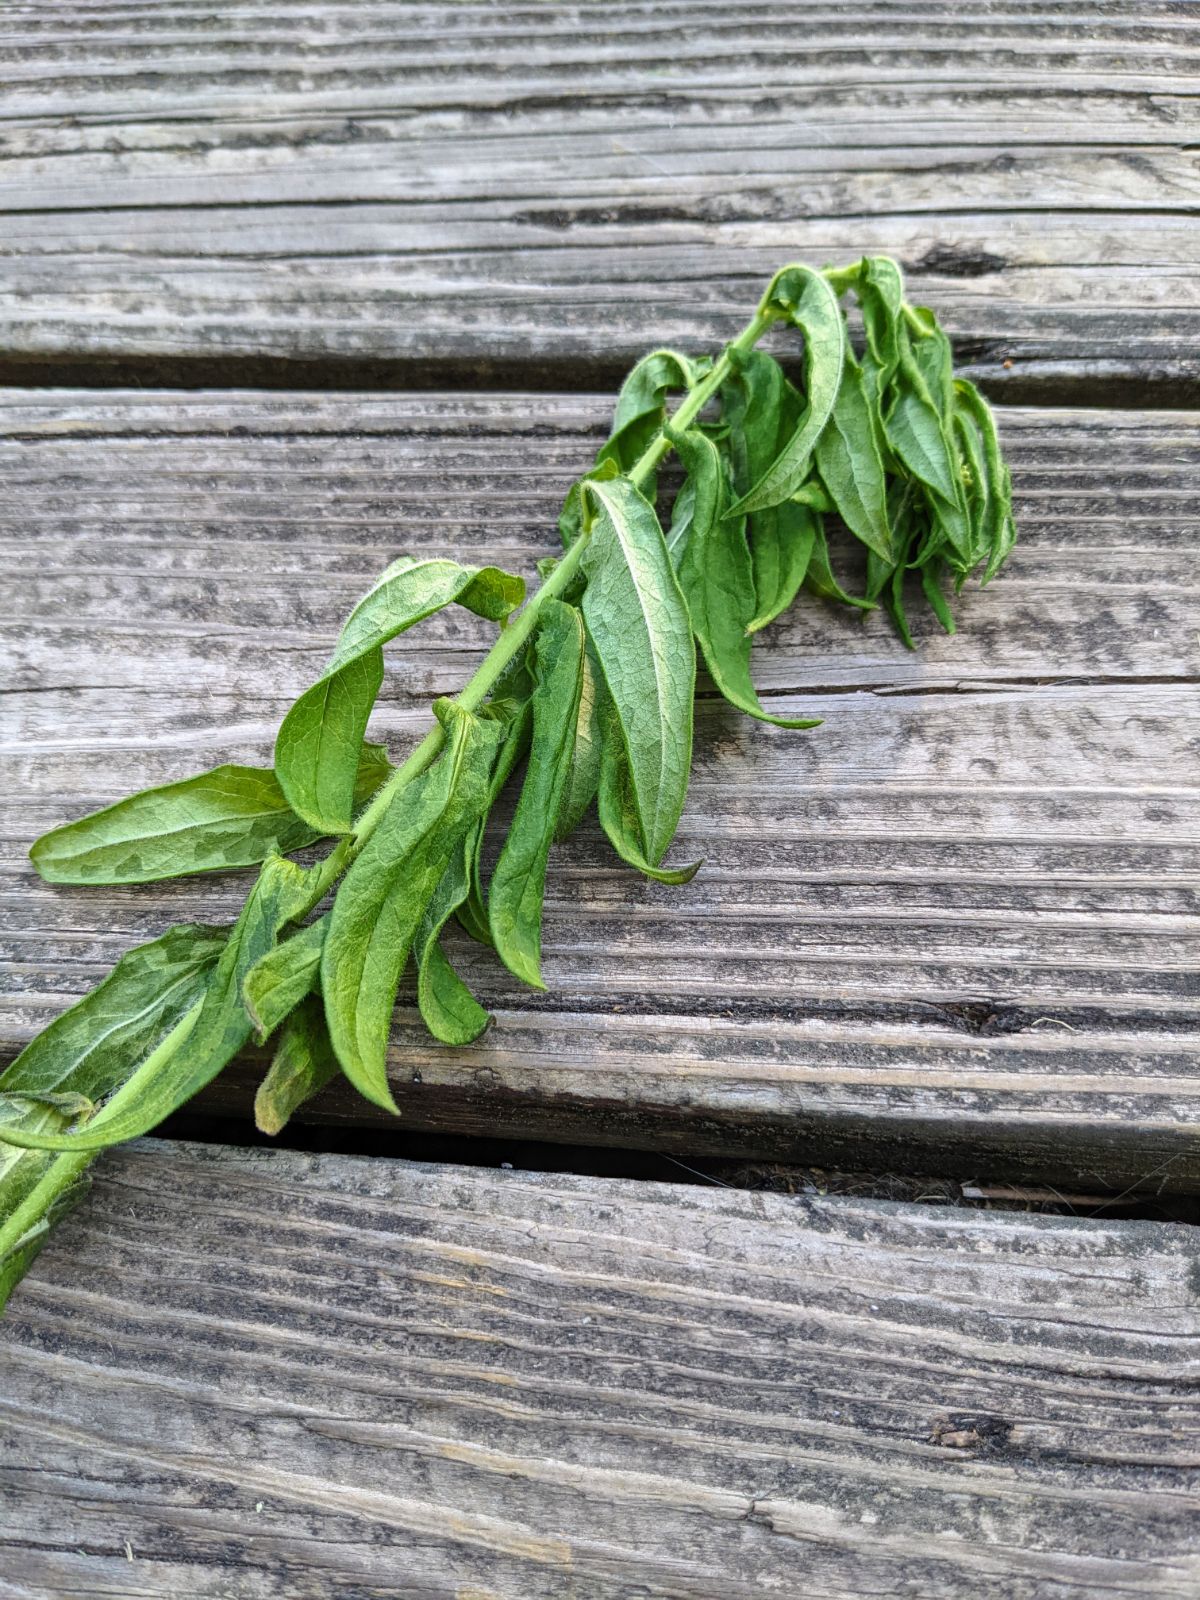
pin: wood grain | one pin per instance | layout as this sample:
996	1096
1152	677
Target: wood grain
416	192
251	1374
955	925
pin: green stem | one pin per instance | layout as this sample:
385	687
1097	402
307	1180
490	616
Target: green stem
517	633
62	1172
698	398
513	639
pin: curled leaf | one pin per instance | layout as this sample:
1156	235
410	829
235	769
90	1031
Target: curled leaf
317	751
302	1065
806	300
717	580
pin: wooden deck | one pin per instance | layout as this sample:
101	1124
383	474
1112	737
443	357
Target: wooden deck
290	287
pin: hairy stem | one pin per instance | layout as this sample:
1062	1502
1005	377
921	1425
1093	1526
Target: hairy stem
517	633
62	1172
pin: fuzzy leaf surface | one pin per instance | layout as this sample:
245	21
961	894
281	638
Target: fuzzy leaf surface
449	1009
519	881
279	980
637	619
303	1063
215	822
384	895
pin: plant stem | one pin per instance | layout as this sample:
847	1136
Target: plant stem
517	633
62	1172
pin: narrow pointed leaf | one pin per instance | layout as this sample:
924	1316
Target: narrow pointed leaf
821	580
215	822
80	1059
472	913
717	580
850	465
761	409
583	779
781	551
317	751
302	1065
21	1171
805	298
638	621
518	883
88	1050
449	1009
618	812
384	895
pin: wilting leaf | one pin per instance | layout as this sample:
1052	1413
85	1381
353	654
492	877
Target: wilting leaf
638	622
279	980
618	812
518	883
805	298
384	895
317	751
303	1063
450	1011
207	1035
850	465
718	582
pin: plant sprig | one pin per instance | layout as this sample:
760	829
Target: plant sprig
590	685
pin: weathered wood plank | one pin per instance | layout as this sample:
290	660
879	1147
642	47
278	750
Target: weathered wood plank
243	1374
425	190
955	928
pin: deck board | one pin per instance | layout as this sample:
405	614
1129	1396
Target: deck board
414	193
252	1374
955	927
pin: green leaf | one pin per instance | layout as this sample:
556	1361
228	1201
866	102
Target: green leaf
518	883
384	895
317	751
880	293
583	779
915	427
999	532
472	913
215	822
208	1035
21	1171
451	1012
618	812
781	550
570	518
84	1055
638	622
761	410
805	298
821	580
717	580
642	405
279	980
850	465
87	1050
302	1065
937	600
